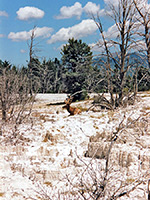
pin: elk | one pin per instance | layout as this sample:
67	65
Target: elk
71	110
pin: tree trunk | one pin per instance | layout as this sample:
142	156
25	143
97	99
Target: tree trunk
3	110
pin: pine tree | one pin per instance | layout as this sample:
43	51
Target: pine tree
77	60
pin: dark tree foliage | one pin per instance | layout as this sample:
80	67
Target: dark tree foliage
51	76
58	77
143	78
34	74
46	70
77	60
74	53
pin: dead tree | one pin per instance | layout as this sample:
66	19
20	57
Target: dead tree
7	76
143	20
116	49
15	100
101	101
105	45
34	64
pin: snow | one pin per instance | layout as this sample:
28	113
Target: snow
24	165
50	98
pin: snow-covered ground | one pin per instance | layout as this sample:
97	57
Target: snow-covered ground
55	145
50	98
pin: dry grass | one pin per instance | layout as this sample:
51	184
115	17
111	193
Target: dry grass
48	184
2	194
50	137
145	95
97	117
100	136
83	109
145	108
130	180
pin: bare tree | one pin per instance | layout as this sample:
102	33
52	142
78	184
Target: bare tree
15	101
34	64
117	47
143	18
44	76
4	86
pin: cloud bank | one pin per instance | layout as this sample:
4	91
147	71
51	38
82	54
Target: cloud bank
76	10
91	7
69	12
85	28
27	13
24	35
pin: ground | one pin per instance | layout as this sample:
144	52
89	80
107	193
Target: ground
53	146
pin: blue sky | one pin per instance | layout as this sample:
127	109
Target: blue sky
56	21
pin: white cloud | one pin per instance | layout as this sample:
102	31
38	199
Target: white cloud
99	46
23	51
24	35
91	8
27	13
19	36
77	10
3	14
112	32
143	6
2	35
94	47
43	32
68	12
112	2
86	27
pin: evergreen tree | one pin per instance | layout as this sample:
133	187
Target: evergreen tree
76	59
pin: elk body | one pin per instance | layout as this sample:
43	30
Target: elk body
71	110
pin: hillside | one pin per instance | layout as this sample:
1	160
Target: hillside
57	156
133	58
